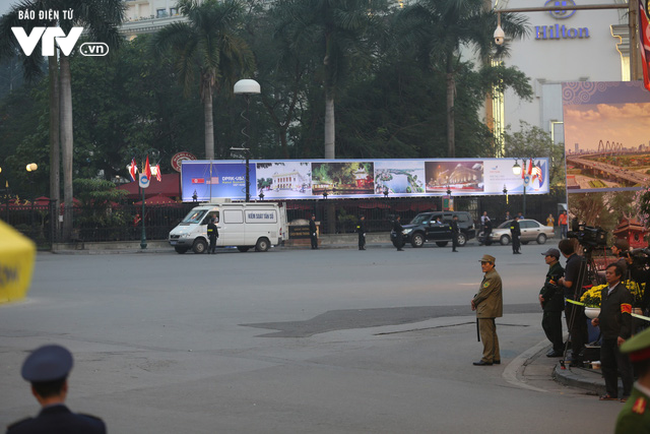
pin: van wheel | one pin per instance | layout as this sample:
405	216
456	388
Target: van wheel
181	250
462	239
243	248
262	245
200	246
541	239
505	240
417	240
441	243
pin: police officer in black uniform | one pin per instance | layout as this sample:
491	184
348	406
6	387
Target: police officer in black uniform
312	233
515	233
47	369
454	233
361	230
213	234
398	237
551	297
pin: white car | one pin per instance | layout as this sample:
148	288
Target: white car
531	230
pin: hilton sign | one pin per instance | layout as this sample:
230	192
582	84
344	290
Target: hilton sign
560	31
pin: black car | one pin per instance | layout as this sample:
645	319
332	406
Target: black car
423	228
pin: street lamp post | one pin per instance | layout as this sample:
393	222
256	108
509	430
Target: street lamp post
516	170
32	167
246	87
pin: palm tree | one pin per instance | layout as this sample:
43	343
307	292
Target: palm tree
207	46
100	20
338	30
439	28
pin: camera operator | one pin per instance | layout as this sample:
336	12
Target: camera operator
576	320
620	249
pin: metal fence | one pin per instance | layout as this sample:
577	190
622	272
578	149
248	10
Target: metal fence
123	222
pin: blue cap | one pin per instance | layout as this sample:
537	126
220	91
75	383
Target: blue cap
47	363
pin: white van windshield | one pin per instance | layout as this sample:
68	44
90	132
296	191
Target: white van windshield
194	216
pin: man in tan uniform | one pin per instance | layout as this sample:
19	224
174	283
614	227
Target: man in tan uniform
488	304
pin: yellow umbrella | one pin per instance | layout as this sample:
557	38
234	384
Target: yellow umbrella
17	254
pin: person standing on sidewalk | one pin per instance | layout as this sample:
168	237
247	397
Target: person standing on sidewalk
562	222
454	233
361	230
515	233
488	304
576	321
615	322
635	416
551	297
397	234
313	235
213	234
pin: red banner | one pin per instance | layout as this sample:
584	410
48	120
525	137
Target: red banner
644	39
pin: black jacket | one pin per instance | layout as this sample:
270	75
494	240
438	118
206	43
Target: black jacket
312	228
514	228
615	317
552	294
361	227
212	230
58	419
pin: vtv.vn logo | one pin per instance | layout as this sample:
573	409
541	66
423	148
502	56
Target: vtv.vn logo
50	34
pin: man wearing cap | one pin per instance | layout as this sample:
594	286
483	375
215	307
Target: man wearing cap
635	416
455	231
615	322
551	297
47	369
488	304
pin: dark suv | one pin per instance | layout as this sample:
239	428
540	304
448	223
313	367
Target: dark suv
424	228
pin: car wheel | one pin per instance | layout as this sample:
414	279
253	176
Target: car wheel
200	246
441	243
504	240
243	248
541	239
462	240
417	240
180	250
480	236
262	245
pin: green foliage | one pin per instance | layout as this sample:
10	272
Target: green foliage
531	142
97	197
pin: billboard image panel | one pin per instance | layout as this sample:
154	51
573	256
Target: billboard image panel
399	177
346	178
607	135
209	180
455	175
284	180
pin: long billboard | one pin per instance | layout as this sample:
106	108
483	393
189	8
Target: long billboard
205	180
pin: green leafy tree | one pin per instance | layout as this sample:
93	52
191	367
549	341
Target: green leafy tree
100	20
531	142
209	47
436	30
337	33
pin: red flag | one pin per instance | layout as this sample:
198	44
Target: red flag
133	170
644	39
158	174
147	169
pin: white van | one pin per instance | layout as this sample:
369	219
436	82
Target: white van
243	225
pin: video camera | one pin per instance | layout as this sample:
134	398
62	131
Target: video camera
589	237
640	257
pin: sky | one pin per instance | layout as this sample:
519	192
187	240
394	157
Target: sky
5	5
